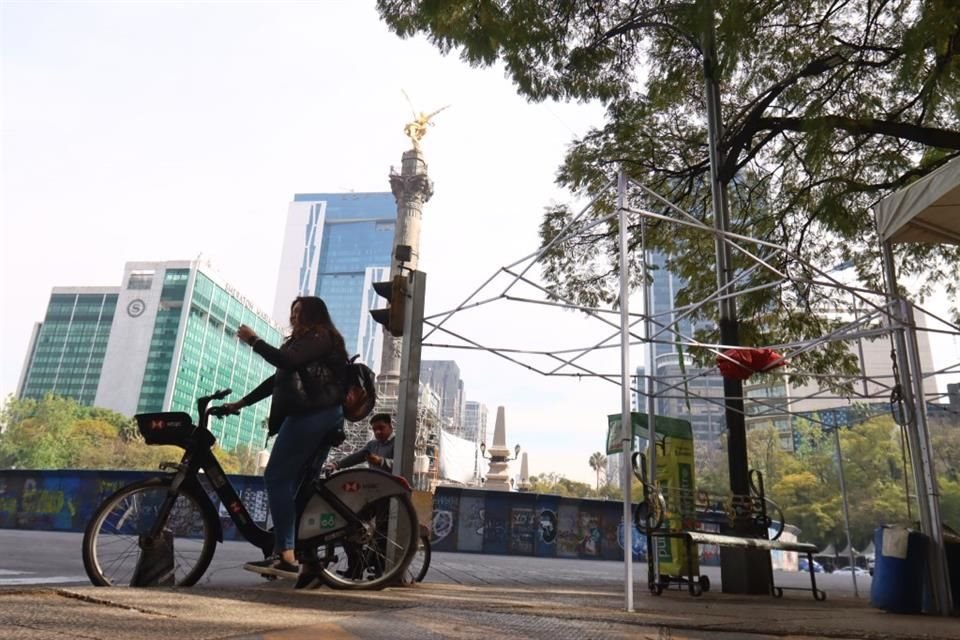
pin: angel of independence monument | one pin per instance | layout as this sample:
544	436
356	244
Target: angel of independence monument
399	375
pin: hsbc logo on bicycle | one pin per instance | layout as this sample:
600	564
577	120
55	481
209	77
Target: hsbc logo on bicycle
353	487
159	425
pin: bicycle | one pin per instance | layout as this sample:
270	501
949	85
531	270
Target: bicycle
164	530
420	564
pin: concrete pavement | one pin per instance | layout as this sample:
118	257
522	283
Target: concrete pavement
587	609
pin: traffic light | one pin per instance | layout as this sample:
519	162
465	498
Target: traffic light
395	291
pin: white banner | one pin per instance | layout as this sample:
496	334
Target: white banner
457	457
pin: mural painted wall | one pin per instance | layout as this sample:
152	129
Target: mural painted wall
66	500
464	520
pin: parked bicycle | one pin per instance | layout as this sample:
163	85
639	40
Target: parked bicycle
420	564
656	505
164	530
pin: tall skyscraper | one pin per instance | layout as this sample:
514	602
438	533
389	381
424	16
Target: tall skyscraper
475	429
164	337
475	421
444	377
335	246
685	391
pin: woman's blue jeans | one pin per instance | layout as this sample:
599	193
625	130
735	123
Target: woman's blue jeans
297	442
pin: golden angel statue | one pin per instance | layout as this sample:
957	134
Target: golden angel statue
416	129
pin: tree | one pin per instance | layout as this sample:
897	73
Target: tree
556	484
825	107
598	462
36	433
60	433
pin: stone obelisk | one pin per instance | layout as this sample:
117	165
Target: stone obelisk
498	476
524	484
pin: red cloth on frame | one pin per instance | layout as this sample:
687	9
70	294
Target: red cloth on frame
743	362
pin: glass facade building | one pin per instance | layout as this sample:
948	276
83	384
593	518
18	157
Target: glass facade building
335	246
684	392
165	337
67	350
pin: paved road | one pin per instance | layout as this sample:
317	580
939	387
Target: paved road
53	558
44	596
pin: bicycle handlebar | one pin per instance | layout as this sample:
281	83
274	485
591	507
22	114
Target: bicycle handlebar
221	411
205	400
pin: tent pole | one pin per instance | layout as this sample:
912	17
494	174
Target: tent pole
626	424
918	436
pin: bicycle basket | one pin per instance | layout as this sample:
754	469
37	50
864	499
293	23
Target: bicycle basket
173	427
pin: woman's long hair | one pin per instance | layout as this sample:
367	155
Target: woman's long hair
314	319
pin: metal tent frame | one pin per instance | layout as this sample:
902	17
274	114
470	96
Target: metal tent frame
878	314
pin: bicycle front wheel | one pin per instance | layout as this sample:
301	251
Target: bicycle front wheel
420	564
111	546
377	554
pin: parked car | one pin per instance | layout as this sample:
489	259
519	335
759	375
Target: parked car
859	571
817	567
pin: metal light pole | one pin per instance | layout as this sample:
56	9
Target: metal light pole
846	504
408	391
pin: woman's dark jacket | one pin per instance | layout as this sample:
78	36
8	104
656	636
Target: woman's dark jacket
307	379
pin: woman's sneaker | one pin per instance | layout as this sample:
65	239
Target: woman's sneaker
274	566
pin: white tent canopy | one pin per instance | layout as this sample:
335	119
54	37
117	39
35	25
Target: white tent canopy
926	211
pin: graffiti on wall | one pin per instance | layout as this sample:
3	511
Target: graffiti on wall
465	520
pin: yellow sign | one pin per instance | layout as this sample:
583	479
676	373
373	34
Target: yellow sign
675	478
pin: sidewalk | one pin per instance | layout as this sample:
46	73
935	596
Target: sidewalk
274	611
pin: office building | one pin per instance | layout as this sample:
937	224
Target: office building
686	392
475	429
67	349
335	246
444	377
475	421
164	337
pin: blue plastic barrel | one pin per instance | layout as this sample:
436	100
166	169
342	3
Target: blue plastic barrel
899	570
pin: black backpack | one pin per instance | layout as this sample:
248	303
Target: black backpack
359	390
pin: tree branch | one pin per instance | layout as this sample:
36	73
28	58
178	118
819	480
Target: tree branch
930	136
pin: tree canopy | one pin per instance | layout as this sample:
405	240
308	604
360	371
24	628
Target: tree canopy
59	433
825	108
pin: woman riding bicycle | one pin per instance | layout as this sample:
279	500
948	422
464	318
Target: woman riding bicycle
307	394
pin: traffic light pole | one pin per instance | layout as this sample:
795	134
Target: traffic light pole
408	390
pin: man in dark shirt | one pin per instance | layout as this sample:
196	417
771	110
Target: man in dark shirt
378	453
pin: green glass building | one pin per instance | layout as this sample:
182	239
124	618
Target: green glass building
67	349
170	337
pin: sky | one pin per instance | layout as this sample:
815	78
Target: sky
170	130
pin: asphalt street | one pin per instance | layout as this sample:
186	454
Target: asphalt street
53	558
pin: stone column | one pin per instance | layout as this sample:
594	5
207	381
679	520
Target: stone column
412	188
498	477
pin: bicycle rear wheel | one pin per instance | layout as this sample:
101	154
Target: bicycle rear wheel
376	555
111	541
